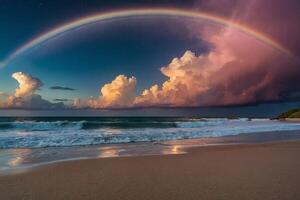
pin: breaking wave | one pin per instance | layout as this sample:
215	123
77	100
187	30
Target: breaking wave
59	132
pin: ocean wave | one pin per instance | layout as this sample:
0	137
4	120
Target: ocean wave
40	126
115	123
37	134
85	125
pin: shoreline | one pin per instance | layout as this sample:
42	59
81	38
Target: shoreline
180	150
239	171
29	159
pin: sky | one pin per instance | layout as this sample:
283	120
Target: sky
150	62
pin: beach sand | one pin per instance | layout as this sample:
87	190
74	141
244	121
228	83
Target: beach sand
252	171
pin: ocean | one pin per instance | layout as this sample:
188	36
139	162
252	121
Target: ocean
35	140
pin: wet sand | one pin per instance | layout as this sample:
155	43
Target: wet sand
250	171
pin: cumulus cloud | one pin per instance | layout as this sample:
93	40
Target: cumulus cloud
237	70
188	77
27	84
119	93
25	97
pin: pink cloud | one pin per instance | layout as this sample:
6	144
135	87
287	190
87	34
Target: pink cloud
277	18
238	70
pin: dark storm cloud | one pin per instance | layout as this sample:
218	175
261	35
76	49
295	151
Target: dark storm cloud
257	74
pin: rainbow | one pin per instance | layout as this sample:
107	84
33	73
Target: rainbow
145	12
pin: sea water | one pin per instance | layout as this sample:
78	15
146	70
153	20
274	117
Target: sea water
46	139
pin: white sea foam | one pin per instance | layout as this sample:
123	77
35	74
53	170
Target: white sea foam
32	134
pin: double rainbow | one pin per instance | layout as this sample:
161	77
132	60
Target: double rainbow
145	12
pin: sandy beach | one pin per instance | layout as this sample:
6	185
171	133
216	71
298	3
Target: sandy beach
252	171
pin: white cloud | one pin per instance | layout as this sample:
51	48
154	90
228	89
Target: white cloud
27	84
119	93
25	97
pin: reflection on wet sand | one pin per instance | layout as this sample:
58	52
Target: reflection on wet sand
105	152
173	149
176	149
18	157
